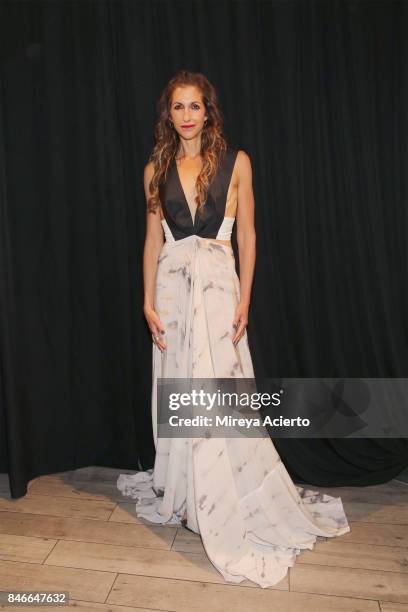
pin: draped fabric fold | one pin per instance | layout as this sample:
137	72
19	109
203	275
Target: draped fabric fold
236	492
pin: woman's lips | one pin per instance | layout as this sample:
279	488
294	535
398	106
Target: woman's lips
187	127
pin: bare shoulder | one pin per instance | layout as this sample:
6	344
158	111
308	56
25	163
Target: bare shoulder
243	165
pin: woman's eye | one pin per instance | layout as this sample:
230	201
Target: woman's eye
195	107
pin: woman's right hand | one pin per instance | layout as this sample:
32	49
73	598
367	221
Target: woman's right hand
156	327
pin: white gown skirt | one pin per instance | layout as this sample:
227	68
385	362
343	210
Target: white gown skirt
252	519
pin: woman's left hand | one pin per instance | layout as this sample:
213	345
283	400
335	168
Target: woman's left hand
240	321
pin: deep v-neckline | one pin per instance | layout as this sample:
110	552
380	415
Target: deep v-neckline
184	195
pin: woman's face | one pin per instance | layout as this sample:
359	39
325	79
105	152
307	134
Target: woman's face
188	111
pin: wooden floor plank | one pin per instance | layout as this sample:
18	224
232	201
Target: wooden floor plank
375	533
25	549
190	596
376	513
390	493
125	513
87	530
141	561
81	584
345	582
393	607
80	606
57	487
337	553
59	506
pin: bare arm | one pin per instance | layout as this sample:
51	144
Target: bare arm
153	244
246	239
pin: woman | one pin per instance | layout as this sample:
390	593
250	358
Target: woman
235	493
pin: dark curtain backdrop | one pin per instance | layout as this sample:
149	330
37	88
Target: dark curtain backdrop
316	93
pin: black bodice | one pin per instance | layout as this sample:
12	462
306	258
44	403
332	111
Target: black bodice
176	210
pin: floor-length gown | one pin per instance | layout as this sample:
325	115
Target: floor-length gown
252	518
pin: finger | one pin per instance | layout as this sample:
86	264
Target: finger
235	324
159	344
161	331
239	331
238	338
156	336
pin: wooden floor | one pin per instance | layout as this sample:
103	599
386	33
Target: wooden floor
75	532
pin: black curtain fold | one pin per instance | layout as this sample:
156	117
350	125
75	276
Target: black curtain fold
316	93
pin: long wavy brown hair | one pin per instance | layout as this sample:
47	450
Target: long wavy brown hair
213	143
